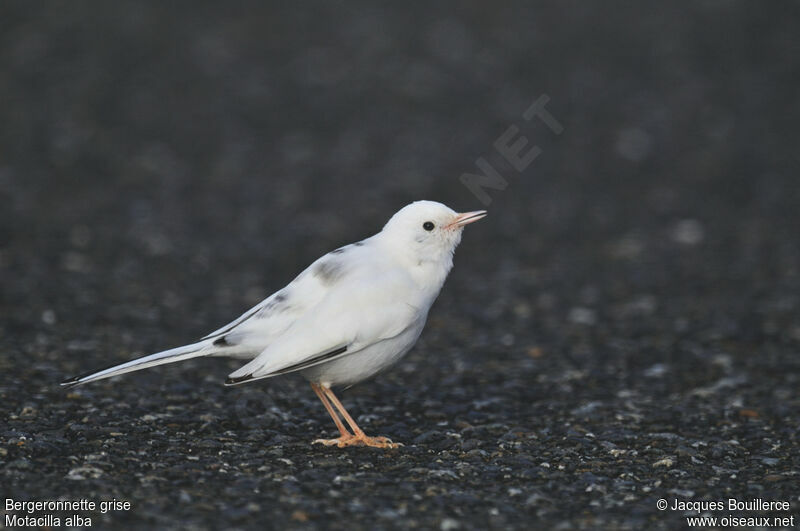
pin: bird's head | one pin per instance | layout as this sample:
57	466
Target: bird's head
428	231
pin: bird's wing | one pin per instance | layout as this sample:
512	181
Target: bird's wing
270	318
252	331
362	307
221	331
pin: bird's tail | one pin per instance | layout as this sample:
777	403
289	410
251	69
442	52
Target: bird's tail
159	358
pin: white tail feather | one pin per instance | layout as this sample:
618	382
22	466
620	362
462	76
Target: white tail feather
159	358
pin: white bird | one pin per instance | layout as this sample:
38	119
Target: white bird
349	315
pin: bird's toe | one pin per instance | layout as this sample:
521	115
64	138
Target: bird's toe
381	442
341	442
355	440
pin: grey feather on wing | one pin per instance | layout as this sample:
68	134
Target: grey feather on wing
329	271
276	303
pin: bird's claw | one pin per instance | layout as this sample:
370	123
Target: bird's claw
381	442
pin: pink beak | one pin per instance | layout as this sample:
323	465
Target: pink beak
466	218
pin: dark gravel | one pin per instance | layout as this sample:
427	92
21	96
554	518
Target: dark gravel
624	326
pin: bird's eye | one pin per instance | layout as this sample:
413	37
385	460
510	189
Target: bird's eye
428	225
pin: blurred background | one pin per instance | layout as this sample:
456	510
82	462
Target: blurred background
163	166
184	162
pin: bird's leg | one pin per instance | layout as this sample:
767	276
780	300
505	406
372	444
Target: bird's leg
358	437
345	435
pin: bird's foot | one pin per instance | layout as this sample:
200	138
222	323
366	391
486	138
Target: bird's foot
358	440
379	442
339	441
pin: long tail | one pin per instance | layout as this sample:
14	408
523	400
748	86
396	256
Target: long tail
159	358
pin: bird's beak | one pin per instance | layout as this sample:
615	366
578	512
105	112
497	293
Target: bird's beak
466	218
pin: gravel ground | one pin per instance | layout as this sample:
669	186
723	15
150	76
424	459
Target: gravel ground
622	328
